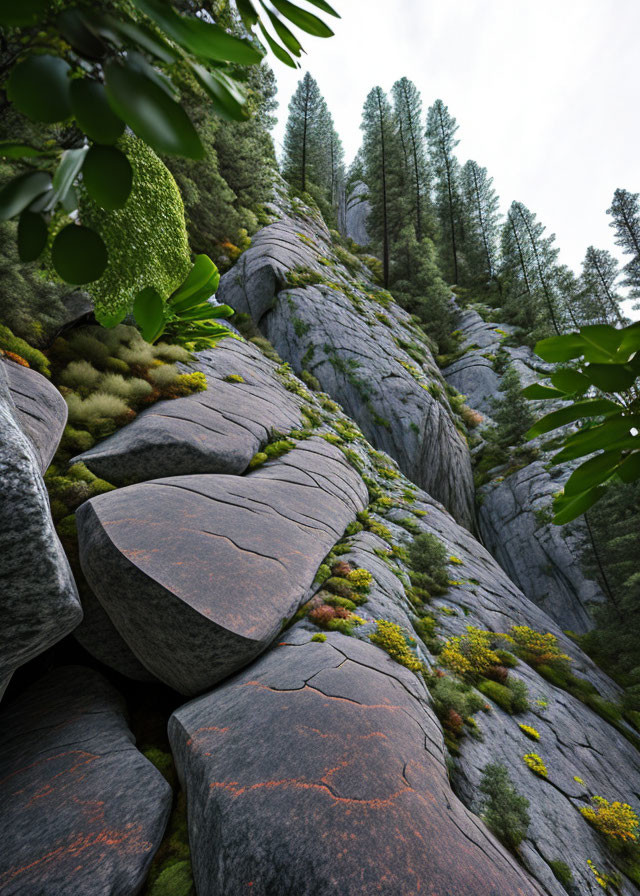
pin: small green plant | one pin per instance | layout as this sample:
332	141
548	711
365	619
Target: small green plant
616	821
504	810
320	637
428	558
561	872
530	732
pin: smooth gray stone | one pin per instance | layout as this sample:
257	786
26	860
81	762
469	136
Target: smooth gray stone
38	597
357	212
198	573
216	431
83	811
320	770
40	409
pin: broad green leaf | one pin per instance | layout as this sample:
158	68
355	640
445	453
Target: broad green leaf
77	30
321	4
109	320
202	274
108	176
602	337
229	97
79	255
307	21
66	172
560	348
143	37
612	434
92	111
611	377
630	341
19	151
150	113
277	50
32	236
148	310
592	407
204	39
39	88
287	37
21	191
593	472
571	508
538	392
22	12
247	12
221	311
570	381
629	470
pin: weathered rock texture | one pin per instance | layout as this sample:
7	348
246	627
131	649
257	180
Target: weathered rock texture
321	770
216	431
514	514
357	211
365	351
82	810
38	597
198	573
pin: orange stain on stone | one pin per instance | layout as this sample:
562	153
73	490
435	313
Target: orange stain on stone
236	790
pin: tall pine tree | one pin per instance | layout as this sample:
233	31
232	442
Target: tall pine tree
625	210
441	135
481	219
407	104
302	153
599	298
383	173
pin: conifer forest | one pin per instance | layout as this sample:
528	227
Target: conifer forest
319	452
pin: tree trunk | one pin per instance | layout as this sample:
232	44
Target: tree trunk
385	225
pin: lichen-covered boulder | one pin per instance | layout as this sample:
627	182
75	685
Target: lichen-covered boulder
215	431
320	770
83	811
38	598
365	351
198	573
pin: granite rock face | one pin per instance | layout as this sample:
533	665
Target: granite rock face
83	811
357	211
358	801
198	573
38	596
216	431
365	351
514	513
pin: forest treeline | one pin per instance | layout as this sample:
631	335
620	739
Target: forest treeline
435	221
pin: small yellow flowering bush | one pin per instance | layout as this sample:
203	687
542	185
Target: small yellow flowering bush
537	648
530	732
389	637
536	764
470	654
360	579
617	821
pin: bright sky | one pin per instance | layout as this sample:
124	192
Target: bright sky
545	93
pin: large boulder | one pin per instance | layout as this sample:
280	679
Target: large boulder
83	811
198	573
215	431
38	597
365	351
321	770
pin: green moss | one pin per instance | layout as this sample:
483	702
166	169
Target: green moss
324	573
311	381
258	459
159	255
234	378
320	637
390	638
16	346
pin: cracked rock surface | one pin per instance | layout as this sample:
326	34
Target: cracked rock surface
38	596
216	431
358	801
364	350
216	563
514	511
83	811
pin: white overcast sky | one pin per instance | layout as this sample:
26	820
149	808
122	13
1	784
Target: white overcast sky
546	94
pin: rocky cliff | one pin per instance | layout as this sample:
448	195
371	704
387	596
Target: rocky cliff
261	555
